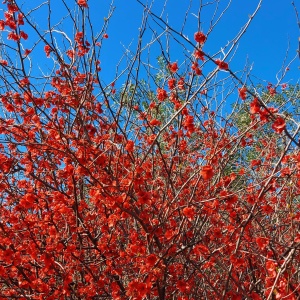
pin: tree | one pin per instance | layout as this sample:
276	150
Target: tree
142	187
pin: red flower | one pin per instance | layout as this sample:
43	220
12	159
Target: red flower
254	106
27	52
20	19
198	71
171	83
271	89
255	162
271	268
243	93
137	290
3	62
47	50
199	54
11	24
105	36
222	64
23	35
161	94
24	81
180	83
2	25
297	238
181	285
129	146
196	68
151	260
154	122
279	125
13	36
189	212
79	37
173	67
264	115
189	123
12	8
262	242
200	37
70	53
207	172
82	3
152	105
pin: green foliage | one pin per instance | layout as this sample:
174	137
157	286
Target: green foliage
163	71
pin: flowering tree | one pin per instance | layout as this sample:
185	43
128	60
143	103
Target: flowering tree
150	186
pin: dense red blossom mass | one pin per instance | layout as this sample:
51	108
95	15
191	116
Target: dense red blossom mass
141	187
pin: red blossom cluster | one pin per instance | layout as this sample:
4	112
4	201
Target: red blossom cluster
161	94
82	3
221	64
200	37
243	93
173	67
198	54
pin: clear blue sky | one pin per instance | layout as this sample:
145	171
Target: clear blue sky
272	32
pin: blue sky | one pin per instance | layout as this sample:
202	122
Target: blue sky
273	31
